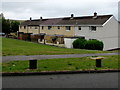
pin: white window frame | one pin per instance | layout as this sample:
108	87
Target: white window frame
49	27
42	27
36	27
58	27
79	28
93	28
67	28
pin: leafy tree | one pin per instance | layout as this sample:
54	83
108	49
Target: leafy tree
14	26
9	26
5	25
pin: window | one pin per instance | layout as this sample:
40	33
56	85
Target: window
49	27
79	28
93	28
92	39
24	27
30	27
68	28
42	27
58	27
35	27
82	37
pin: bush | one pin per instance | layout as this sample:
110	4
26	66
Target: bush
94	45
79	43
88	44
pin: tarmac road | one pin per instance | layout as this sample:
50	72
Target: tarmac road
90	80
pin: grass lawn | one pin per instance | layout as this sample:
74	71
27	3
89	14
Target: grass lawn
0	46
71	64
19	47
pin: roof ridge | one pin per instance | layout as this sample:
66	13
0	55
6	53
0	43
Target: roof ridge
70	17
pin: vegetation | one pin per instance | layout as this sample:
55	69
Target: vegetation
94	45
79	43
88	44
84	63
19	47
9	26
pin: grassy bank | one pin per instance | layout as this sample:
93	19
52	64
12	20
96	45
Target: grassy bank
18	47
71	64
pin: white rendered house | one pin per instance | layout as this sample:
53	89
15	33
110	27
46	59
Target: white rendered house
105	31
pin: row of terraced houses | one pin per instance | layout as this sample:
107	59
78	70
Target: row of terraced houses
101	27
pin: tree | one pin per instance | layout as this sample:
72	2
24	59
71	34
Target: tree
15	26
5	25
9	26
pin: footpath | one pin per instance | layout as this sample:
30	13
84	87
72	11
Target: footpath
41	57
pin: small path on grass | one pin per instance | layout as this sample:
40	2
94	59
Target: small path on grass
41	57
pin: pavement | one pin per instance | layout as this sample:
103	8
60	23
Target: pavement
41	57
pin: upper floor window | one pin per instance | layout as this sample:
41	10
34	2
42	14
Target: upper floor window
42	27
24	27
36	27
68	28
49	27
58	27
93	28
79	28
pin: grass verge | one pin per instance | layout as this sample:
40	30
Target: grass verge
71	64
19	47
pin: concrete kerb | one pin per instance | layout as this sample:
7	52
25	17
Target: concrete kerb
58	72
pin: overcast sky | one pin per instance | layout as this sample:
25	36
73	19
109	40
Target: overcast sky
23	9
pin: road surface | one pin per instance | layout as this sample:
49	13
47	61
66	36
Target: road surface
90	80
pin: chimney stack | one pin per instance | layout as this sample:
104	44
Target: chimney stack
72	16
41	18
95	15
30	18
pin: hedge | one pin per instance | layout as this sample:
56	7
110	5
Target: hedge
79	43
88	44
94	45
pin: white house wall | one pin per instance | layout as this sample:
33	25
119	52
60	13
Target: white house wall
107	33
110	34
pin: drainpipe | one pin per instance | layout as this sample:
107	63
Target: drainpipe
27	29
39	30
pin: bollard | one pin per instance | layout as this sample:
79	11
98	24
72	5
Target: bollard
98	62
33	64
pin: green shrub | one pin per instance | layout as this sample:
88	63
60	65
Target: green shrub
88	44
79	43
94	45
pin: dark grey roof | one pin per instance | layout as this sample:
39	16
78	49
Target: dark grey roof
85	20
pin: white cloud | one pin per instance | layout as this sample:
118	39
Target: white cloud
57	8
